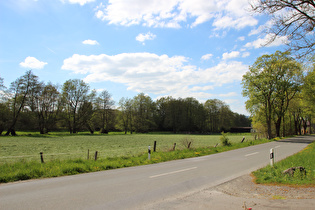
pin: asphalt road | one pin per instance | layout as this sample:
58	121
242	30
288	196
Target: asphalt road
135	187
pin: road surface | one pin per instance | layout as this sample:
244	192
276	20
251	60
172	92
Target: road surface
135	187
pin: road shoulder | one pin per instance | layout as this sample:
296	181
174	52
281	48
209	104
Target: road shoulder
242	191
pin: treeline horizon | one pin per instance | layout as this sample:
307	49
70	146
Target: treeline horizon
31	105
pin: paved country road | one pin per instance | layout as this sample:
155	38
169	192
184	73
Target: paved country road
135	187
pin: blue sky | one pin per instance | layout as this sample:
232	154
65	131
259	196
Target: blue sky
179	48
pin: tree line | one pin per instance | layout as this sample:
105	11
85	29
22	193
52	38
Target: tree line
29	104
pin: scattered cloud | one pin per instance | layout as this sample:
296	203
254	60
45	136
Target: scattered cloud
245	54
151	73
143	37
260	42
206	57
81	2
233	54
175	13
90	42
32	63
241	38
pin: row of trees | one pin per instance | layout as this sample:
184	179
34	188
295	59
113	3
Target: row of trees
280	96
33	105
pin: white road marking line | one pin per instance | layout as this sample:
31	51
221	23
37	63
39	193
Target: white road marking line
277	146
173	172
251	154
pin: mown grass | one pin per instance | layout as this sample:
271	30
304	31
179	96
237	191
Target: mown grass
31	169
274	175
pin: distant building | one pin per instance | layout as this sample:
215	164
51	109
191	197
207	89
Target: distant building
241	129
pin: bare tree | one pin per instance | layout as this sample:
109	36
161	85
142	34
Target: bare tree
294	19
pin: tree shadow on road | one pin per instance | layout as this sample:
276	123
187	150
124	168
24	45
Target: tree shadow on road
299	139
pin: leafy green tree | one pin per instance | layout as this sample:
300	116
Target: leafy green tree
20	89
143	113
270	84
309	92
75	94
126	114
104	106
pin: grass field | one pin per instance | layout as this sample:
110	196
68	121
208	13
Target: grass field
274	175
67	154
63	146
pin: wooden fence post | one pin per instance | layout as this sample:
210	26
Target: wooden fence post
88	155
95	155
154	146
41	157
174	146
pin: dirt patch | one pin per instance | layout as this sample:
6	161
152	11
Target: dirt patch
244	187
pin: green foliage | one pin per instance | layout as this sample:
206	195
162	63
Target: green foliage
225	140
305	158
271	83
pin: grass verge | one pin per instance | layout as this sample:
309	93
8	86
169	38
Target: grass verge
23	170
274	175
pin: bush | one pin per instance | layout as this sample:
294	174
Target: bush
225	140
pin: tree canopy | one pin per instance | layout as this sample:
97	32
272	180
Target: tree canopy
270	84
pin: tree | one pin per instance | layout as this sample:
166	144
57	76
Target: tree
126	114
293	19
308	92
4	110
270	84
20	89
143	113
74	94
104	105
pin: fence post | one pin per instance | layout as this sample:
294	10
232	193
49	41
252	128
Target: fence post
174	146
88	155
96	155
41	157
154	146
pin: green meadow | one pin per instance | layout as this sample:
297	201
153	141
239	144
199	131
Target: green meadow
68	154
61	146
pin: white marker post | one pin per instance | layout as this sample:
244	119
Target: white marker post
272	157
149	153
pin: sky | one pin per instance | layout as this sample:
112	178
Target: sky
178	48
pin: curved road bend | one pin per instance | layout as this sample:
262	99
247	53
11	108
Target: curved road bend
134	187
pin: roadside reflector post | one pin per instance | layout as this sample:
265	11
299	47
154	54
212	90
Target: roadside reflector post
149	153
272	157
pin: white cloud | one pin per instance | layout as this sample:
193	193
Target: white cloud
151	73
206	57
233	54
32	63
81	2
241	38
245	54
260	42
143	37
173	13
90	42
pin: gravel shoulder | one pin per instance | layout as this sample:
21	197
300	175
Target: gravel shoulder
240	193
245	187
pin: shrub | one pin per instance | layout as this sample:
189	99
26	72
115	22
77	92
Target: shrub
225	140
